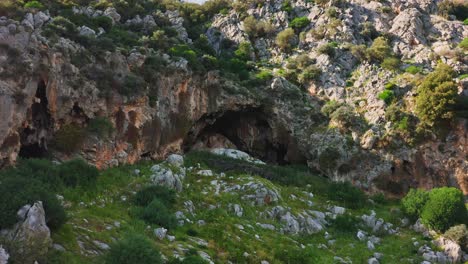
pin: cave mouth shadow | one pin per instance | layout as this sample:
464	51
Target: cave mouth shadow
34	137
249	130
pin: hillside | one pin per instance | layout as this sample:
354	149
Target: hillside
368	99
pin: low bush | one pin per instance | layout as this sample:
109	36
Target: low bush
78	172
69	138
379	50
299	23
458	234
345	223
464	44
347	195
132	85
387	96
414	202
328	49
157	213
311	73
445	208
391	63
329	107
100	126
264	75
379	198
146	195
286	39
15	192
133	249
413	69
34	4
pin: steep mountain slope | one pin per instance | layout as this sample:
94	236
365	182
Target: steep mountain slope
115	82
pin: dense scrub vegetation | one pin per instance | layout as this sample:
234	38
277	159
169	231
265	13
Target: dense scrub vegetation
440	208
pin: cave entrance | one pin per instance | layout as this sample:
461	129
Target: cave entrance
248	130
35	136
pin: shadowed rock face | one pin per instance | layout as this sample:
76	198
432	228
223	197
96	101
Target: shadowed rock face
250	130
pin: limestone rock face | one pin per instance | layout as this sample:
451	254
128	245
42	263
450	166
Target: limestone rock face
30	237
278	121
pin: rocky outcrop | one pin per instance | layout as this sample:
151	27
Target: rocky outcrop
29	239
3	256
46	85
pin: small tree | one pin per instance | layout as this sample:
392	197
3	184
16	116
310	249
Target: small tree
445	208
436	96
413	203
286	39
379	50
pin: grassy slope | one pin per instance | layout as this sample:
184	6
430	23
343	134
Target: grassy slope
93	214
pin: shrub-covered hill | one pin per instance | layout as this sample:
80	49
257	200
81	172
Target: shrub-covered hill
206	208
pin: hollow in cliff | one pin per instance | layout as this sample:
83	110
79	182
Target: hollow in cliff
250	130
35	135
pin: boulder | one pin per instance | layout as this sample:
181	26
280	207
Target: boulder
452	250
112	14
166	177
31	234
160	233
87	32
175	160
3	256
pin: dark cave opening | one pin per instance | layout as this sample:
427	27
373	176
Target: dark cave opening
35	136
248	130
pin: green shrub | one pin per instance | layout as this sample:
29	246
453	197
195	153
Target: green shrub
34	4
344	115
379	50
146	195
387	96
465	22
444	209
104	22
413	69
368	30
78	172
329	107
359	52
436	96
100	126
345	223
346	194
389	86
39	169
328	49
16	192
458	234
133	249
299	23
414	201
244	52
327	159
379	198
69	138
464	44
311	73
264	75
391	63
157	213
286	39
132	85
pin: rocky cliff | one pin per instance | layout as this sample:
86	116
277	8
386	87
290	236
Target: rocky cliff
54	87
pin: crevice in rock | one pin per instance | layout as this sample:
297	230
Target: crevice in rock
249	130
35	136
